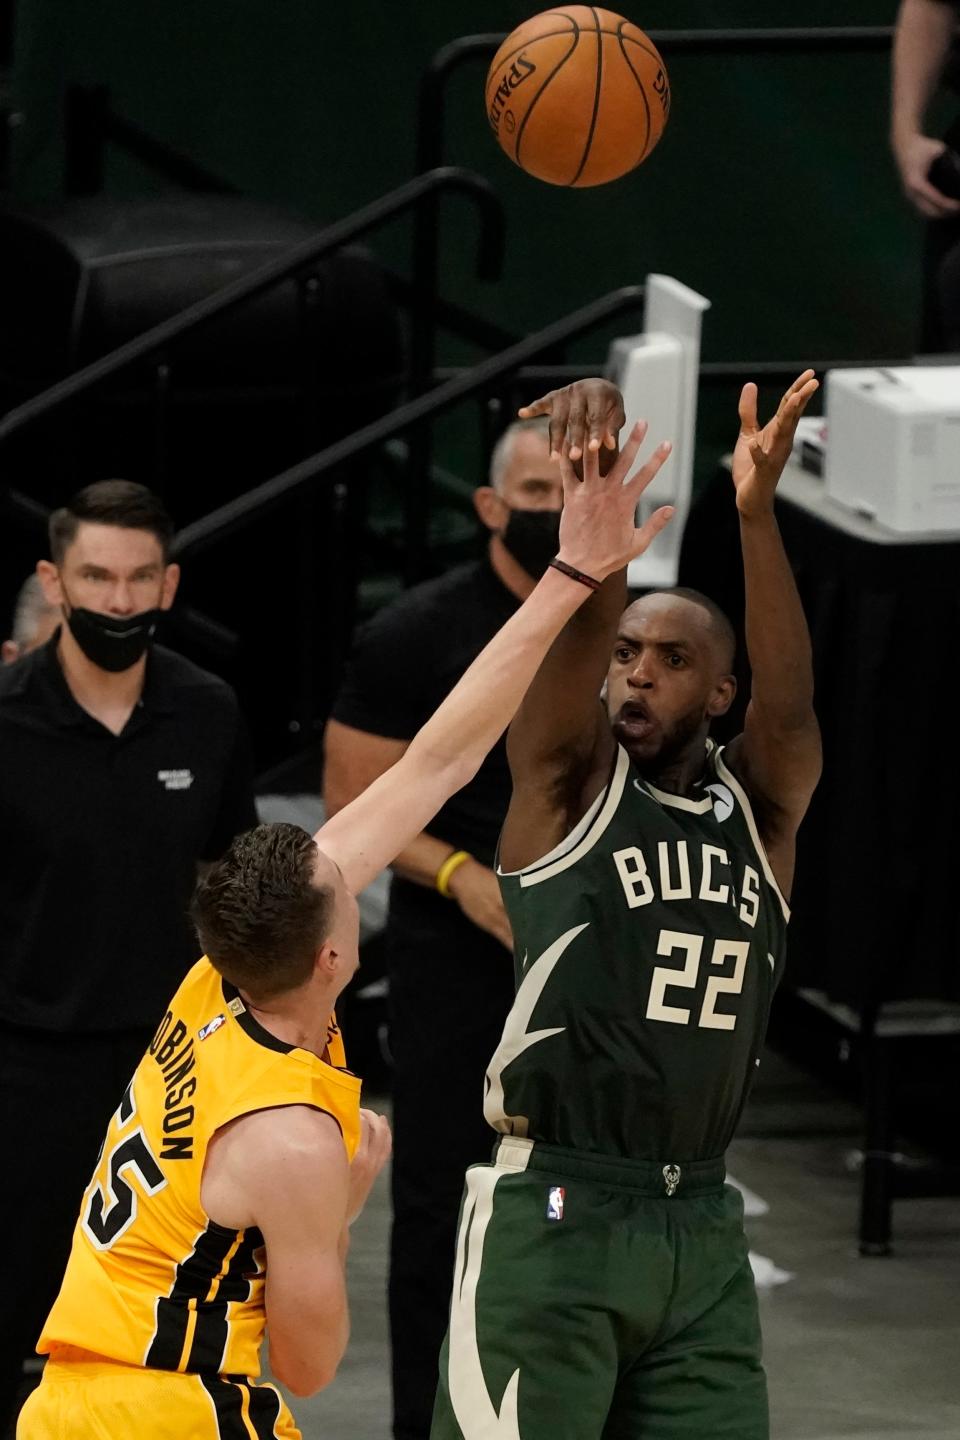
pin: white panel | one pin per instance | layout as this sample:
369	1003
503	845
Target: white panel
658	373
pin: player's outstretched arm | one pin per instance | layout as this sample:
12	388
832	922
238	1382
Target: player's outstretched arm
559	744
778	756
597	538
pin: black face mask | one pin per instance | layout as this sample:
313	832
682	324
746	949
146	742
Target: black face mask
109	642
533	538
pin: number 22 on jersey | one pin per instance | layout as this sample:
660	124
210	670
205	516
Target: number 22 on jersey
666	977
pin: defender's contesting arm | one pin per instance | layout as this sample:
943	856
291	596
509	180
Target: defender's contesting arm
597	537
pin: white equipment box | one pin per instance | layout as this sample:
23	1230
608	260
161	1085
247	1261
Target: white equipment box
893	445
658	373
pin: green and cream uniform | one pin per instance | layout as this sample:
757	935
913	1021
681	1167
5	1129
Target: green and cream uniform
603	1285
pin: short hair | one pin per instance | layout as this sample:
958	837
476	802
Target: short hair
30	607
259	913
110	502
503	450
720	624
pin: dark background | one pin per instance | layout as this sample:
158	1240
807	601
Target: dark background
772	191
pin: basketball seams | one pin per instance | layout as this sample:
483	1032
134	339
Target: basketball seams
647	49
596	99
536	99
643	97
499	59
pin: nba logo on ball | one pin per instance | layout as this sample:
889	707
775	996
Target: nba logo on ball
555	1203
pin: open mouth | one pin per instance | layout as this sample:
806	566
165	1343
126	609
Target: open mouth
635	720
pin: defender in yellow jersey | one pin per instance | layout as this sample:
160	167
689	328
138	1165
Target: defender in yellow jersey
238	1154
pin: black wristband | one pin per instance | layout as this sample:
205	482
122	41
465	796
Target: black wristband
573	574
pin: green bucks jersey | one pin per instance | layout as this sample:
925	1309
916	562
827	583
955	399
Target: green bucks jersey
648	945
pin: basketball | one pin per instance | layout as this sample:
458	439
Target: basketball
578	96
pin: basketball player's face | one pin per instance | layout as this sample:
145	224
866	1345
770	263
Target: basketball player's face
665	683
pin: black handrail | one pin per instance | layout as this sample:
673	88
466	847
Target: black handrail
307	252
227	518
842	39
89	123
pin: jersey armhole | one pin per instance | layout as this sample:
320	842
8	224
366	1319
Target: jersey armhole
743	800
584	835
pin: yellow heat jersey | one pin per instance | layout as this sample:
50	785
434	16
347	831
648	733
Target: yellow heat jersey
151	1280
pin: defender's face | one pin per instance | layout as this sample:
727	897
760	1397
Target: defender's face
664	683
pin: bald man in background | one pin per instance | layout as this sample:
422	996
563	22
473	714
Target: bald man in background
34	621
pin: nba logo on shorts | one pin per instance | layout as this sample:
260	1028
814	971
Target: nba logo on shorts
555	1203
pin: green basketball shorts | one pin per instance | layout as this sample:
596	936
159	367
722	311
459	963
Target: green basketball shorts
600	1299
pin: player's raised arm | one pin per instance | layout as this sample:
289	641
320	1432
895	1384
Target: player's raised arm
778	756
561	737
597	539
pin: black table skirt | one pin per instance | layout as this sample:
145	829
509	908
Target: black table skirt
877	894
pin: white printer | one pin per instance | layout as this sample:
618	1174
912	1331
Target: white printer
893	445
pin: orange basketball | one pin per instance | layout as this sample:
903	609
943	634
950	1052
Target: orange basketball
577	96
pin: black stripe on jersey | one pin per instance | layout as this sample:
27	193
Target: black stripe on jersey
228	1404
263	1408
210	1334
191	1282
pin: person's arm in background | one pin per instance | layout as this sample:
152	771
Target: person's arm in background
353	759
924	33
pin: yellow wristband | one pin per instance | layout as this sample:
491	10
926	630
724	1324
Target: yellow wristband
449	868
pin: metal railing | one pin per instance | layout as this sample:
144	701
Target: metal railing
292	262
91	123
225	520
838	39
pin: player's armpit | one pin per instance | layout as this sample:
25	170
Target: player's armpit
287	1173
779	767
552	793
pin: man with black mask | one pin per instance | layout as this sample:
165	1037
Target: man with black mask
448	939
122	766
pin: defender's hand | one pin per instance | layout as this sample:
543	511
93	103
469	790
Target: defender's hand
475	889
587	414
760	455
598	533
373	1152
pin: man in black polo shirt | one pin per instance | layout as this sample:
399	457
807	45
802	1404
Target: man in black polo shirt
123	766
448	938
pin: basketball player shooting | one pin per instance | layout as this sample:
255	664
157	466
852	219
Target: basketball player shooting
602	1284
238	1155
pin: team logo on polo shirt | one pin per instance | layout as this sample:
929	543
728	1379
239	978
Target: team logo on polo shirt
175	779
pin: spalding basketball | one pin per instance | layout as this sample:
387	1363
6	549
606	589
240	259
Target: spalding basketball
577	96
